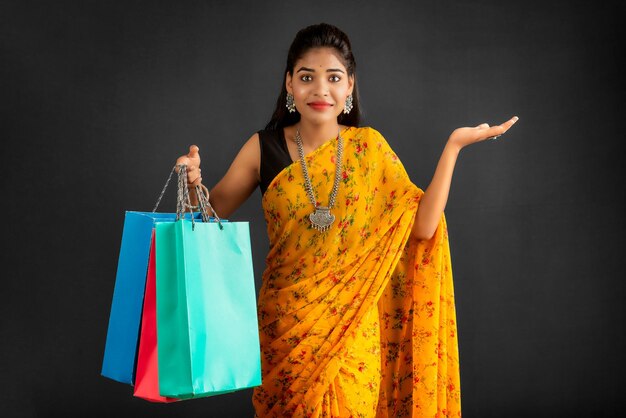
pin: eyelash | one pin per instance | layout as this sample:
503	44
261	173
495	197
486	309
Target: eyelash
332	76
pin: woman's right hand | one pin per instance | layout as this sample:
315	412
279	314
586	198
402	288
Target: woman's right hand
192	161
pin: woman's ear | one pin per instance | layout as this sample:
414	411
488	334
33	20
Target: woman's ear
351	84
288	83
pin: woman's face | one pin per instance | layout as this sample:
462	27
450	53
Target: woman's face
320	85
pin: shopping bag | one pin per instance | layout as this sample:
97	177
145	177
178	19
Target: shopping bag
147	377
207	329
120	350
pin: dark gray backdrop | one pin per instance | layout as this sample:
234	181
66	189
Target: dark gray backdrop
99	98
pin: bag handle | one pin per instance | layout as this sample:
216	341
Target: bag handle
183	201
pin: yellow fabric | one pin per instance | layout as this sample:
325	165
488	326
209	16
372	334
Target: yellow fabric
358	321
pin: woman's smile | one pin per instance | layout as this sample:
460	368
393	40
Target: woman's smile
320	105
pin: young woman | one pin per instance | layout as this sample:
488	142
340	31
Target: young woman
356	310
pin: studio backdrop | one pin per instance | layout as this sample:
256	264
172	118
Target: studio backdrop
98	99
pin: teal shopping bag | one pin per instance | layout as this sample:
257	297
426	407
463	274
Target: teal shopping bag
207	329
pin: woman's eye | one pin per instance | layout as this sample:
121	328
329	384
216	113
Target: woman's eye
335	78
305	78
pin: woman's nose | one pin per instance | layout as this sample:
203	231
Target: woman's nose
321	87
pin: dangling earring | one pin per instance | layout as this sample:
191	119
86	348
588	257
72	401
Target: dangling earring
348	107
291	105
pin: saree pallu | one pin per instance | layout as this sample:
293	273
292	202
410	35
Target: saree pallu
357	321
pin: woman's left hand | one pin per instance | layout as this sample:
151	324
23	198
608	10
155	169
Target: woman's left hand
462	137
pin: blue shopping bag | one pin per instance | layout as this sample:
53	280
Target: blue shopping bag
120	351
207	326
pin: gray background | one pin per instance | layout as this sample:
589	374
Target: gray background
99	98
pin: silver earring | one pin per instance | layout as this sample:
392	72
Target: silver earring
348	107
291	105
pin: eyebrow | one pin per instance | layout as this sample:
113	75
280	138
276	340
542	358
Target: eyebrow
330	70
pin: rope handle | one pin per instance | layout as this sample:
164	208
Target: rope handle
183	200
203	202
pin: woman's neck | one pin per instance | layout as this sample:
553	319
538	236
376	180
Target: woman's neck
314	135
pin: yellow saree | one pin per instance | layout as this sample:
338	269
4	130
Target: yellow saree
357	321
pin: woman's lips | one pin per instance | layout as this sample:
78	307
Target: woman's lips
319	105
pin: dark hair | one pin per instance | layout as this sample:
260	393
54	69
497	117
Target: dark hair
317	36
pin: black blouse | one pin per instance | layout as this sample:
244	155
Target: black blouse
274	156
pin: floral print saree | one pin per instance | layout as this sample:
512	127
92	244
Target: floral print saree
357	321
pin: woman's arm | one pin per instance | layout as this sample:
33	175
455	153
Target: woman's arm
238	183
435	197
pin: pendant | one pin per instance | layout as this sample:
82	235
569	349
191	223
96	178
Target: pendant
322	219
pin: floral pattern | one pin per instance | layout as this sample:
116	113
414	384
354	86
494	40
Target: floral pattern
357	321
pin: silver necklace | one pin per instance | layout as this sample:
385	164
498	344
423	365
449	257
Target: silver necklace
321	219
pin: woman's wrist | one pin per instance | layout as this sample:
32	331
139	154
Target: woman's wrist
453	145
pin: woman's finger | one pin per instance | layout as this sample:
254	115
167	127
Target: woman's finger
191	160
182	161
506	125
493	133
196	181
496	131
193	151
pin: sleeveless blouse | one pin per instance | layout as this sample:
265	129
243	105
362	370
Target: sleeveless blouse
274	156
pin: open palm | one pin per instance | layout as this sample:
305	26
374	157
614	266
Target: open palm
462	137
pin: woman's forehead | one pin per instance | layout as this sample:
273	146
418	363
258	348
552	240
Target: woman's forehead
323	57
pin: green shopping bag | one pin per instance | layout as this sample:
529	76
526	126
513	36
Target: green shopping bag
207	329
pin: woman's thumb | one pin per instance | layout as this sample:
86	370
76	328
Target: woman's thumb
193	151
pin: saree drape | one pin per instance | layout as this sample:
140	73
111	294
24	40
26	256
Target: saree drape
358	321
